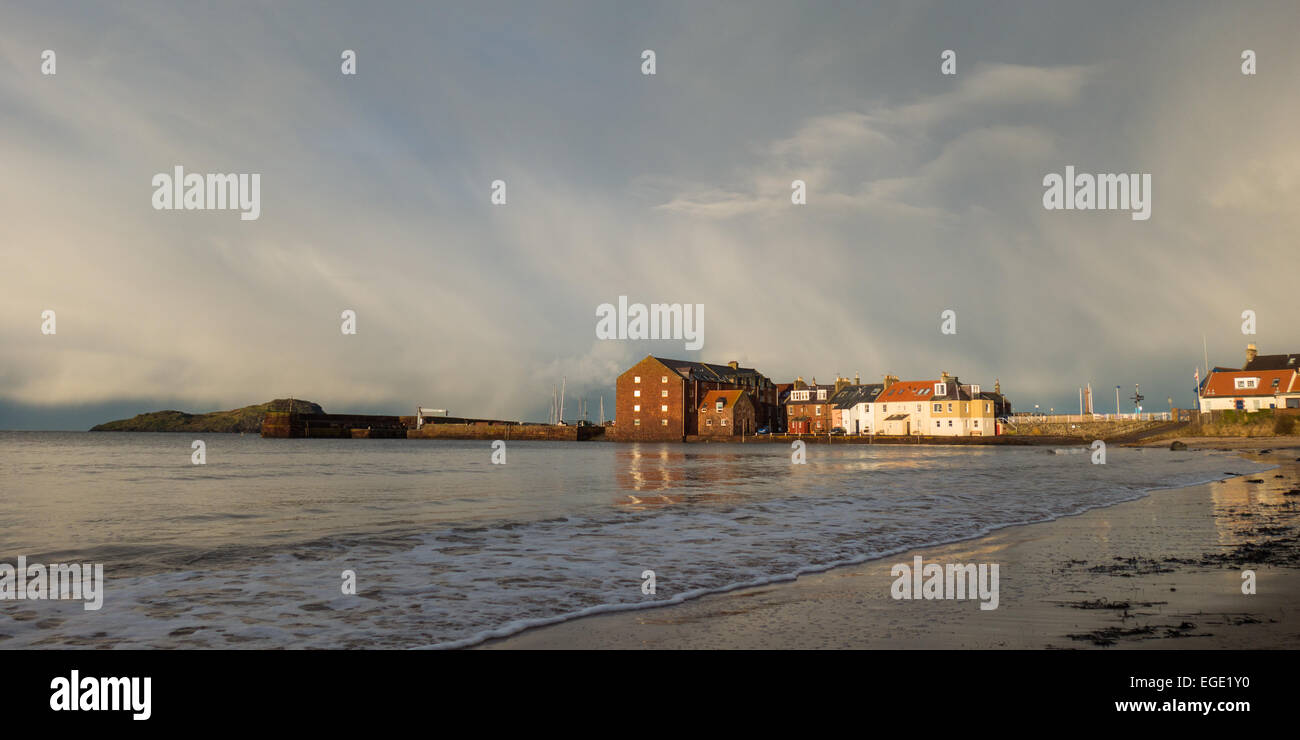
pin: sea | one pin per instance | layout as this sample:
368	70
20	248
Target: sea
362	544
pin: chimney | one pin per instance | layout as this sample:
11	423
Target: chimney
890	380
733	365
943	377
1251	354
997	386
857	379
798	382
840	383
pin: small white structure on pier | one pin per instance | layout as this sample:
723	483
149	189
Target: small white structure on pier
421	412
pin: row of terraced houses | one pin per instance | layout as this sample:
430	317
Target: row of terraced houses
663	399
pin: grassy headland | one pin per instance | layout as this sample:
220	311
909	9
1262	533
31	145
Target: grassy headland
246	419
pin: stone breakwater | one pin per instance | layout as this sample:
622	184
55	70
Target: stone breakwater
541	432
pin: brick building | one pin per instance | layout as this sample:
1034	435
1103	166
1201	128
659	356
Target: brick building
660	399
809	408
726	414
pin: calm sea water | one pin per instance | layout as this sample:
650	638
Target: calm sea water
248	550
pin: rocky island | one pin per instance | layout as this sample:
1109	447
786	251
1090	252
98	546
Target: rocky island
246	419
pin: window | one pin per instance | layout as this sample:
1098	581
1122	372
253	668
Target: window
663	378
821	394
636	407
974	390
637	422
938	407
940	389
663	422
950	422
965	408
723	422
988	408
819	410
718	406
936	423
884	408
1245	383
918	408
663	393
977	423
636	393
950	408
709	422
636	379
663	407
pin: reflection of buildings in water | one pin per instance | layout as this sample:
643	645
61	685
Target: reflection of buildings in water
1236	495
649	468
657	475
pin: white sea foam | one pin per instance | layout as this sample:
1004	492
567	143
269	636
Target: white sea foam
503	554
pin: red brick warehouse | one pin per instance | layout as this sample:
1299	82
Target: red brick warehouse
659	399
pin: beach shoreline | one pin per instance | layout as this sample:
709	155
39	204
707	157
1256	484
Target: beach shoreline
1164	571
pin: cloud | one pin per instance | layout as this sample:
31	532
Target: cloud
924	195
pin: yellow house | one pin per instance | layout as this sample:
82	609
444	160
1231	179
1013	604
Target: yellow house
958	410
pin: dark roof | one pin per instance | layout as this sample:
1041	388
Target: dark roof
955	391
1273	362
852	395
896	417
716	373
812	396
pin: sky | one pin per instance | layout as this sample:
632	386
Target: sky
924	194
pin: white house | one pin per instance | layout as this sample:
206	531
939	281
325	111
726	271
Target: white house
1250	390
903	407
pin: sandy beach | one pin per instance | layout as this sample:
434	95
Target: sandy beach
1161	572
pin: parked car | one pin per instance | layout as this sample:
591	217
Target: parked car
838	430
764	430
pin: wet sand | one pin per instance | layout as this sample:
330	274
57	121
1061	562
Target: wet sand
1162	572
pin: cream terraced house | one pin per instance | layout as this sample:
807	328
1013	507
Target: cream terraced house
958	410
903	407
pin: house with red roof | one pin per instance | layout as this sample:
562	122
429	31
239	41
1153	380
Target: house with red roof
726	414
902	407
1250	390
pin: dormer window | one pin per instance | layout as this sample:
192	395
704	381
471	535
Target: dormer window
940	389
1245	383
821	394
719	406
